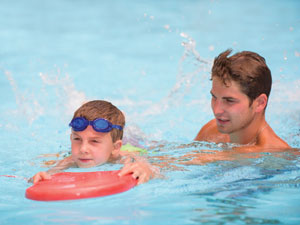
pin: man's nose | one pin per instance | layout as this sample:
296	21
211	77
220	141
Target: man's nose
217	107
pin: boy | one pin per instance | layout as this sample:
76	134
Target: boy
96	138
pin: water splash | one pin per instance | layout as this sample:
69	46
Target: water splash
28	106
69	98
56	96
191	67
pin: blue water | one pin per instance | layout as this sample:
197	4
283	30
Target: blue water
152	60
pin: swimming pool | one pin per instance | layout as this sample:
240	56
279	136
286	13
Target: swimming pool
152	60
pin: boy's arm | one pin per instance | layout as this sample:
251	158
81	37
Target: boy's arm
40	176
61	165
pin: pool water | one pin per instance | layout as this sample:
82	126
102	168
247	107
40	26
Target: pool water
152	60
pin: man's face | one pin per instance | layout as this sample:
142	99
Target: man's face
230	107
91	148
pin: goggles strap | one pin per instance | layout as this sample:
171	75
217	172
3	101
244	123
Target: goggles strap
117	127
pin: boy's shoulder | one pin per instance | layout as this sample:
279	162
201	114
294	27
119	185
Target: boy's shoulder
209	132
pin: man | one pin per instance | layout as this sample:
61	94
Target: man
241	85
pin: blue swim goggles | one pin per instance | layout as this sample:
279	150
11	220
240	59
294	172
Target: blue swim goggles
99	125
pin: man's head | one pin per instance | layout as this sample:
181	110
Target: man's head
246	68
241	85
97	131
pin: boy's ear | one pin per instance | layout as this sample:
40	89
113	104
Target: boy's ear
117	147
261	102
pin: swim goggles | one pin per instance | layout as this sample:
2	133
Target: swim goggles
99	125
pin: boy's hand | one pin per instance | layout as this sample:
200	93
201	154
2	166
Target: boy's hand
40	176
140	170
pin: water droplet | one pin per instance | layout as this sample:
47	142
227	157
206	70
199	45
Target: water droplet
183	35
211	48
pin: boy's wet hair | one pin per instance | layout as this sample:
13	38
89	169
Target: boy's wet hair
103	109
246	68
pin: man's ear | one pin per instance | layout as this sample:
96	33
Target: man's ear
261	102
117	147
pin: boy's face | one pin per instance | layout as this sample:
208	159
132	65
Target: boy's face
91	148
230	107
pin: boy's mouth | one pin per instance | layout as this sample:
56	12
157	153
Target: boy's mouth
85	160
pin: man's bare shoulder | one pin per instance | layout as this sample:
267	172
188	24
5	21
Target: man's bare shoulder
270	140
209	132
267	141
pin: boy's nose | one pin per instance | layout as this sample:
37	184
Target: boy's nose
84	148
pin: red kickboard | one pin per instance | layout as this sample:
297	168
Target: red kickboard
77	185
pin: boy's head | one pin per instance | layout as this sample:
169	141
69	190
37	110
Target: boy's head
97	131
102	109
246	68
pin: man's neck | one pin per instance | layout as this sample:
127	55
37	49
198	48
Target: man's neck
249	134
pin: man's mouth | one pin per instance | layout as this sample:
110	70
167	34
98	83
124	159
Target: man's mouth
222	121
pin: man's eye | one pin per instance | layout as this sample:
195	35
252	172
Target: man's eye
95	141
230	100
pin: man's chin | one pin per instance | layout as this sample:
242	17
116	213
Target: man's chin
223	130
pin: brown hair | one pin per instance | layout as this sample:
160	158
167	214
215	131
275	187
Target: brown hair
103	109
248	69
